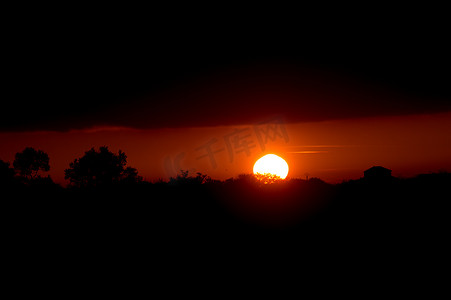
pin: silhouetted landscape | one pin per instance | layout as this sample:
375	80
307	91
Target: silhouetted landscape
108	208
129	145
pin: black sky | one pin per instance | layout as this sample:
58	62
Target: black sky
67	76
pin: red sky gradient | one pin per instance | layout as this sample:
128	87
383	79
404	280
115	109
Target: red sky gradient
333	150
351	97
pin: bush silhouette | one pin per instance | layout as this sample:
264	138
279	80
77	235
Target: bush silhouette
101	168
30	162
6	172
267	178
184	179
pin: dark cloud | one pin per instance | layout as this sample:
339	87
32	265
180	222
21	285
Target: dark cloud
71	79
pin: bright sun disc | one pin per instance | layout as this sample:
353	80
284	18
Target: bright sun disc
271	164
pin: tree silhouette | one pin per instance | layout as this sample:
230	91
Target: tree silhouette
101	168
29	162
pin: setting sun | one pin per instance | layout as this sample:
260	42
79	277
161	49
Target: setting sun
271	164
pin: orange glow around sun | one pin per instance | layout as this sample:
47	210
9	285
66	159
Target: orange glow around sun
271	164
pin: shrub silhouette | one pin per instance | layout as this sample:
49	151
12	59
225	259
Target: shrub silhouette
30	162
246	179
101	168
267	178
6	172
184	178
130	176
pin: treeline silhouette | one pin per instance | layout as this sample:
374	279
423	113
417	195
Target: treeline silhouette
108	205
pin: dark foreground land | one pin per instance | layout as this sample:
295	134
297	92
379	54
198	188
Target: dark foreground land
367	224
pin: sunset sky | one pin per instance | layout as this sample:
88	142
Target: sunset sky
331	103
332	150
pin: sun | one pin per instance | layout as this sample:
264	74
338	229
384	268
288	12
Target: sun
271	164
